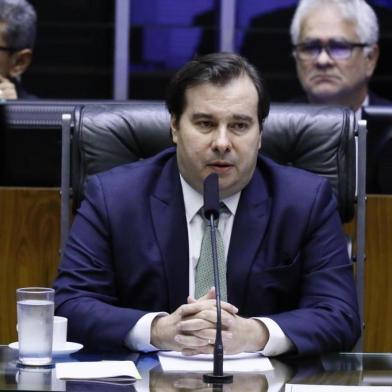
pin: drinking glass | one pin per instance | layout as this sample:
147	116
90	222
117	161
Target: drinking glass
35	309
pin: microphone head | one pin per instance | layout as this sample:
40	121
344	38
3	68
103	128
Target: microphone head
211	196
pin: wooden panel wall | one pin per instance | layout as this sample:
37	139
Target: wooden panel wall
378	273
29	243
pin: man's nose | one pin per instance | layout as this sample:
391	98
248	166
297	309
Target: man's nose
221	142
324	58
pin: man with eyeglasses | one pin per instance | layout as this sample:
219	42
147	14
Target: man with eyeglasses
335	49
17	35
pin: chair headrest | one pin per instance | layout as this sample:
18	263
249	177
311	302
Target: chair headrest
315	138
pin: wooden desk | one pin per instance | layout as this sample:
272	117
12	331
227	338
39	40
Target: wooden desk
333	369
30	237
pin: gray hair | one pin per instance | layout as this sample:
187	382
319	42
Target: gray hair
356	11
20	20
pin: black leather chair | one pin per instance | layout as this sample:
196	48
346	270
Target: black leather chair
314	138
309	137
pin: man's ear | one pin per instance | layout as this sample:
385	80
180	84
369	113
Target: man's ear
20	61
173	128
372	58
261	137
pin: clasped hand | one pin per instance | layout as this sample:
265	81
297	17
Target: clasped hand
7	89
191	329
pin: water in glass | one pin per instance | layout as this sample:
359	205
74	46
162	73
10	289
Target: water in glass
35	330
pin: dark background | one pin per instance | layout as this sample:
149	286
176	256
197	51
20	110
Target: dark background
73	58
73	61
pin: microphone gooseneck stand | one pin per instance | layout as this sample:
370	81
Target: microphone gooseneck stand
211	198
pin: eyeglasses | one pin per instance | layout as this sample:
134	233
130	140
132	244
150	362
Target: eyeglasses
337	50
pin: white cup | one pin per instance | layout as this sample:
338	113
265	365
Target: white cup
59	332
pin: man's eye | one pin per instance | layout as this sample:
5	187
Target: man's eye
241	126
205	124
338	48
310	48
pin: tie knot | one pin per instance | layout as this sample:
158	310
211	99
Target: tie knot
222	210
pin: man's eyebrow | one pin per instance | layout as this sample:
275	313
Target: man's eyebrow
242	117
196	116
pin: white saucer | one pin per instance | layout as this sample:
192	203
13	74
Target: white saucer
68	348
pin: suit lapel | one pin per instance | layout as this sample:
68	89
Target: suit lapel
168	216
249	227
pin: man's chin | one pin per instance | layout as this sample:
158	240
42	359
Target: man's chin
227	189
324	96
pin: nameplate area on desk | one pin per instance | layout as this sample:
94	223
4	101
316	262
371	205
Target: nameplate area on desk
172	361
99	370
336	388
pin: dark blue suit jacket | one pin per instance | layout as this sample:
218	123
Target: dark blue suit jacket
127	255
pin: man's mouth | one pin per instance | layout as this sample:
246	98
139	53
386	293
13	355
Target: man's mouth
220	167
323	78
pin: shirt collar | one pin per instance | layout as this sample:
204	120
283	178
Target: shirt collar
358	112
193	200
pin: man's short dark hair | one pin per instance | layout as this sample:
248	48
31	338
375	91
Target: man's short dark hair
218	69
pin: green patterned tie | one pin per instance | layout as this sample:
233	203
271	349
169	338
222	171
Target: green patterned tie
205	268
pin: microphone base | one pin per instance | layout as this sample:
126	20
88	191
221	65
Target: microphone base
213	379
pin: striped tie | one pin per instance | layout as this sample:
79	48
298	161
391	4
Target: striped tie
205	268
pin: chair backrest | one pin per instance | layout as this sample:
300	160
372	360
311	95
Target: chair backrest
31	139
315	138
320	139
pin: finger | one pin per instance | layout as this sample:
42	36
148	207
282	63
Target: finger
4	82
7	87
209	295
205	319
8	91
210	316
195	307
229	307
190	341
210	335
194	324
199	305
200	350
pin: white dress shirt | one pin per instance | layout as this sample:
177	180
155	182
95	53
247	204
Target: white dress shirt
139	336
358	112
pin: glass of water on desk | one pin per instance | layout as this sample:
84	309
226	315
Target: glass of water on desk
35	309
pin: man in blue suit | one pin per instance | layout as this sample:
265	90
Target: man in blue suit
127	277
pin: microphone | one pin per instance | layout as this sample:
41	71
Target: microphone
211	212
211	196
